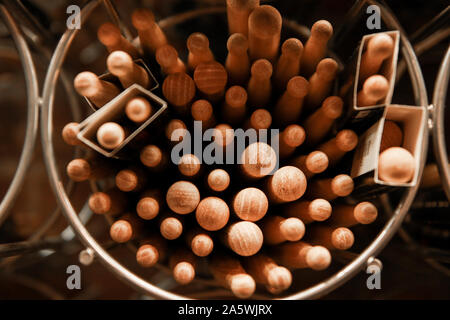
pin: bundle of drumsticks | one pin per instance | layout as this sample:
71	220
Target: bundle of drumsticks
249	225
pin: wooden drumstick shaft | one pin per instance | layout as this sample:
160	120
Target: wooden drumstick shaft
330	237
200	242
288	65
98	91
379	48
345	141
290	104
392	135
260	87
311	164
153	249
122	66
309	211
149	205
111	37
238	12
277	229
331	188
199	51
167	57
321	82
265	271
238	61
111	202
183	263
127	227
299	255
235	105
151	37
290	138
350	215
316	46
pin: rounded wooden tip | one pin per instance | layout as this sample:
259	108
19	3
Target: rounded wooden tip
292	229
202	110
242	4
260	119
108	34
226	132
238	43
320	209
69	133
322	29
294	135
179	89
365	212
218	180
147	208
332	107
316	162
265	21
147	255
189	165
376	87
78	170
119	63
297	87
151	156
380	45
127	180
261	69
197	43
166	55
121	231
202	245
392	135
245	238
279	278
258	160
342	238
250	204
292	46
212	213
142	19
327	69
288	184
99	202
110	135
242	286
210	77
138	109
174	125
171	228
318	258
183	197
396	165
184	272
342	185
236	96
346	140
86	83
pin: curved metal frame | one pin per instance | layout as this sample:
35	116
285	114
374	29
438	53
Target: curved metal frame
140	284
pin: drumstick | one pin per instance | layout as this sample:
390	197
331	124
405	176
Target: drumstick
238	12
98	91
182	197
110	135
321	82
316	46
229	273
244	238
125	229
199	52
331	238
277	229
202	110
320	122
299	255
69	134
167	58
211	79
289	106
238	61
171	227
392	135
235	104
259	86
151	156
84	169
290	138
175	130
264	28
374	89
258	160
311	164
288	65
182	262
212	213
379	48
152	250
151	37
345	141
111	202
149	204
122	66
349	215
250	204
109	35
218	180
330	188
309	211
287	184
200	242
260	119
189	165
179	90
265	271
224	135
396	165
138	110
131	179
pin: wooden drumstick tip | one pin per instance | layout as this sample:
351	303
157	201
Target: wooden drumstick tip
171	228
380	46
225	132
212	213
179	89
342	185
293	135
127	180
210	78
86	83
202	110
318	258
184	272
332	107
396	165
374	89
242	286
218	180
258	160
346	140
260	119
297	87
365	212
279	278
245	238
147	208
327	69
316	162
237	43
138	110
110	135
99	203
151	156
121	231
69	134
265	22
189	165
342	238
322	30
197	43
236	97
109	34
119	63
261	69
287	184
250	204
142	19
147	255
292	46
183	197
320	209
202	245
167	58
292	229
171	128
78	170
392	136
